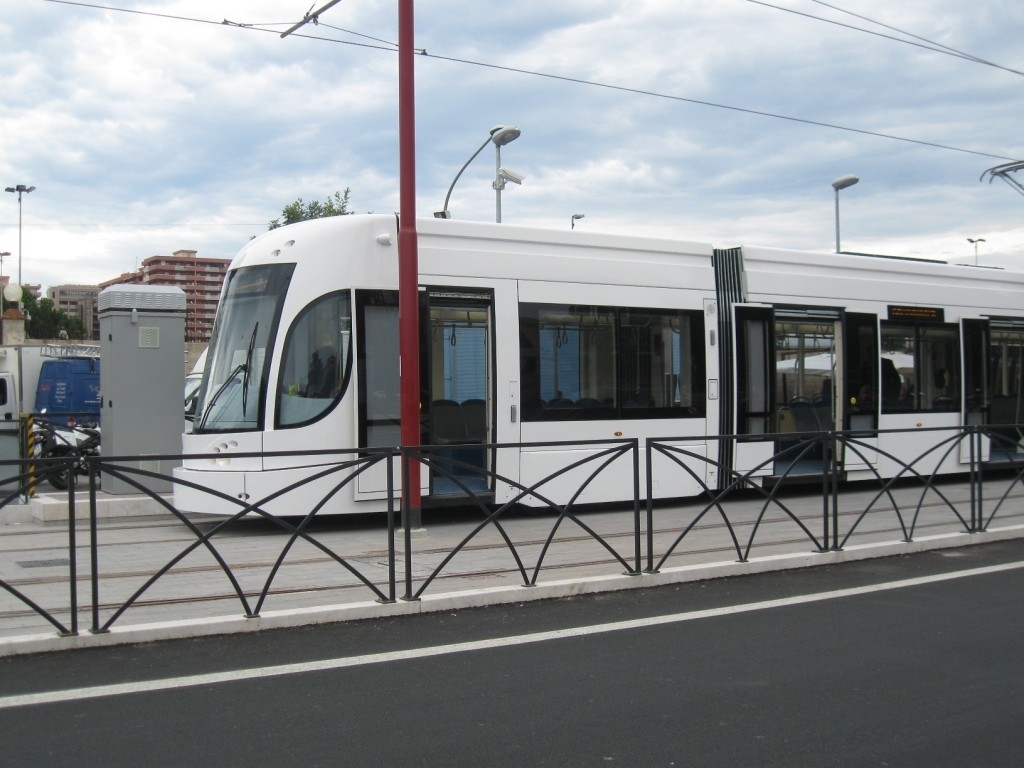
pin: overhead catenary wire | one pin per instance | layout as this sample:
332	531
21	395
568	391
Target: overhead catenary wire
563	78
925	43
939	47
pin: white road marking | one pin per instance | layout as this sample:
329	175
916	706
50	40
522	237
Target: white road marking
214	678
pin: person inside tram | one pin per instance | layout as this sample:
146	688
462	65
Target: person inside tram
891	382
943	391
323	373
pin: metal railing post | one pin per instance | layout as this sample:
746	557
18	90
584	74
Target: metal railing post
981	481
94	557
637	556
407	522
650	509
833	440
392	555
72	558
974	477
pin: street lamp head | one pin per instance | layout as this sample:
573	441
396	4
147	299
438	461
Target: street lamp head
973	240
844	181
504	134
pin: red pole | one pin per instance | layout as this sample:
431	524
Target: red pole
408	261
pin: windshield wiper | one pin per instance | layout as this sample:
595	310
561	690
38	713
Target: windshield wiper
220	390
243	368
248	368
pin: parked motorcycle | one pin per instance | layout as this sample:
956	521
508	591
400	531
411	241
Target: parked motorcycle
78	441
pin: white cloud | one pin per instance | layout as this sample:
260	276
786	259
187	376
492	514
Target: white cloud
145	134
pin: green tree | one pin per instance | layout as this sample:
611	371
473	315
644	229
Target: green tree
336	205
45	320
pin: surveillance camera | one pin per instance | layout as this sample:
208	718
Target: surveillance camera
512	176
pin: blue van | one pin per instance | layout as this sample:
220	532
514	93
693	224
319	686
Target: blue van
70	386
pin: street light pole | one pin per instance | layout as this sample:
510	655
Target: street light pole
841	183
500	135
974	241
20	189
501	175
408	269
576	217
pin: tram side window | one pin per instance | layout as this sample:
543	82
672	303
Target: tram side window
379	379
920	365
316	361
585	362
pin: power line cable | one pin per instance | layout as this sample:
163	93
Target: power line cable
962	54
926	44
568	79
701	102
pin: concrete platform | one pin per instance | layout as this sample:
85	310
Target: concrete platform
53	507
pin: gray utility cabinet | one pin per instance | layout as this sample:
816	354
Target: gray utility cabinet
142	377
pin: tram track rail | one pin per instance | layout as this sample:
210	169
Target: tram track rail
429	552
341	593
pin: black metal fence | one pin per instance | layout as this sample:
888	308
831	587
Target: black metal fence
802	495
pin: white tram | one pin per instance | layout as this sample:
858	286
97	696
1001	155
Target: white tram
532	336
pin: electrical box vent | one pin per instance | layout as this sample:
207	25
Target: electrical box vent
149	338
152	298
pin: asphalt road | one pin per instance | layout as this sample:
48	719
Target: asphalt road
869	663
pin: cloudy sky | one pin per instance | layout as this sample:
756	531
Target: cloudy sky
150	126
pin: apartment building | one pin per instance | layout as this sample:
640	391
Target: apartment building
78	301
200	278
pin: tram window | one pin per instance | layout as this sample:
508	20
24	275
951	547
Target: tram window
585	362
920	367
379	375
316	360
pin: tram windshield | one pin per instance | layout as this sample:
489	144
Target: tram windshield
231	398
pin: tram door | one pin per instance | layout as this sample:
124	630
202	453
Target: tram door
456	358
808	382
790	379
994	386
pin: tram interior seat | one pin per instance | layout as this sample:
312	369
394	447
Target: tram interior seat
639	399
588	402
449	422
805	415
455	424
474	411
1005	410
